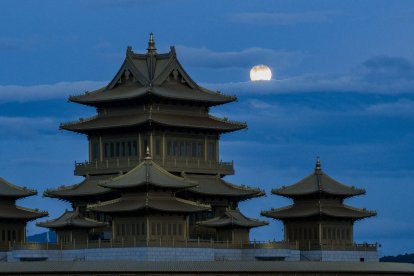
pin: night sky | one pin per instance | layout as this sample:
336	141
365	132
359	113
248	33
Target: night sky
342	89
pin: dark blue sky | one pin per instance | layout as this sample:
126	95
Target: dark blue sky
343	89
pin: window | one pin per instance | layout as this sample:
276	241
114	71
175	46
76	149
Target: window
180	229
211	151
158	229
134	148
199	150
157	147
112	154
95	151
107	152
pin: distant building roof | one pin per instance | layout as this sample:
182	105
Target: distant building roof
71	219
315	183
232	218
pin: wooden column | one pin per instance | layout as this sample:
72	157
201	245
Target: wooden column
101	154
151	147
320	232
163	148
140	153
148	228
205	147
217	148
90	148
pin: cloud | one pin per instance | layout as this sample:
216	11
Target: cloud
267	18
246	58
26	127
18	93
382	74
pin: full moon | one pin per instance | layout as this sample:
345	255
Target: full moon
260	73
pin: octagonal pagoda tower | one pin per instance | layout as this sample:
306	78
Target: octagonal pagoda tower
318	215
152	102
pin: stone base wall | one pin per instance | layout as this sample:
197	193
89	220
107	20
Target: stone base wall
154	254
331	256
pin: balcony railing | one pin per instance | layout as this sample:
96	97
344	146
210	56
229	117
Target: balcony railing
91	244
114	165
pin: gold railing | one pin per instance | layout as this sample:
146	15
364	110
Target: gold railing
170	164
91	244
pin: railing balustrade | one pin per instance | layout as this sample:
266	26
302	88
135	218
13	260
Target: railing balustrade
128	163
193	243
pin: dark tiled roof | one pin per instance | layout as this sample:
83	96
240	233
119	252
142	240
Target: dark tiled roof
8	189
318	208
216	186
150	74
71	219
164	202
88	187
148	173
21	213
318	182
101	122
233	218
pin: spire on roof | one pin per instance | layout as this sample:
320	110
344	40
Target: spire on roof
151	45
318	165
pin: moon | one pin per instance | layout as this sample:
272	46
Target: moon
260	73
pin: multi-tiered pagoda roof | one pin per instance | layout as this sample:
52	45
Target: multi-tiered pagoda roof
71	219
318	195
148	187
9	193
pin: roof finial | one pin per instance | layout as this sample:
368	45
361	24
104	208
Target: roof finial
151	45
318	164
148	154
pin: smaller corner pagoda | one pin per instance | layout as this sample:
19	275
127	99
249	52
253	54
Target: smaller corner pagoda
71	226
232	226
148	209
13	218
318	214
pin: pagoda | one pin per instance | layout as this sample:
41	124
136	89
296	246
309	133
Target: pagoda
318	215
71	226
148	208
13	219
152	102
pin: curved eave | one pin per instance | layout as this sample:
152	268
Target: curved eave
171	205
293	195
85	99
232	218
103	123
71	220
75	191
227	222
21	213
147	173
215	186
10	190
345	212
